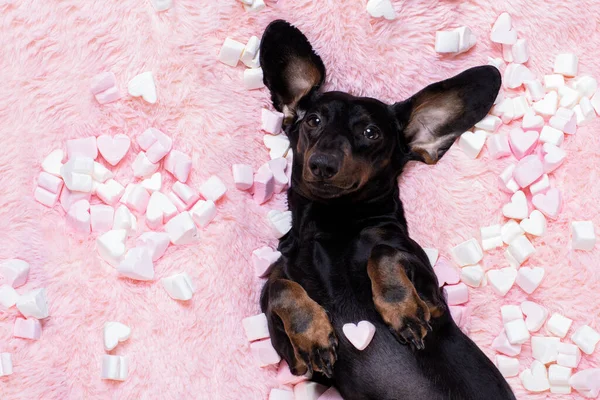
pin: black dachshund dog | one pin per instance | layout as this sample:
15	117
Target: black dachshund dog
348	256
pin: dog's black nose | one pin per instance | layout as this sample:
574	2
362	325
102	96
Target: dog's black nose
323	166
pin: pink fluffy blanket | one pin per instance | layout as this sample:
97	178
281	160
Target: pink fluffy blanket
51	50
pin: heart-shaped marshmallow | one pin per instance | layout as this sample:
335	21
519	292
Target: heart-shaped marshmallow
360	335
502	345
506	181
553	157
548	203
263	258
502	31
517	208
528	170
522	143
115	332
536	224
565	120
154	183
514	76
143	85
529	279
162	5
156	242
472	276
381	8
586	382
278	145
79	216
548	105
535	315
111	246
160	209
532	121
540	186
155	143
502	280
53	162
179	286
179	164
472	142
535	379
446	274
137	264
113	149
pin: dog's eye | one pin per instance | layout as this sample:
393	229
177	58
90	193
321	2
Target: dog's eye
313	120
372	132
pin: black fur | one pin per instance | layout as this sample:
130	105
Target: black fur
339	220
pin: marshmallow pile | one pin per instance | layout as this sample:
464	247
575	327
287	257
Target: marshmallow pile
546	112
33	306
233	51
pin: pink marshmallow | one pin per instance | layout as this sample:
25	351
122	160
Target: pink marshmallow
522	143
549	203
264	353
102	82
271	121
160	147
146	139
308	390
278	167
85	147
138	199
108	96
45	197
179	164
185	193
553	157
458	315
285	376
181	206
281	394
528	170
502	345
79	217
29	328
242	176
68	198
101	217
331	394
262	259
456	294
264	184
498	146
50	182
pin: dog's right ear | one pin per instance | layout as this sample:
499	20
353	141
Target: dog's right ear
291	68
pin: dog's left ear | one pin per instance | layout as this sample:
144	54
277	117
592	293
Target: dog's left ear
433	118
291	68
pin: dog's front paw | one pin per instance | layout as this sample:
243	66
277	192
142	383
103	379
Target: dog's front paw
314	342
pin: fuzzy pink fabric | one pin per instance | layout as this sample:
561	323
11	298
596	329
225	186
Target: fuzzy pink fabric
51	50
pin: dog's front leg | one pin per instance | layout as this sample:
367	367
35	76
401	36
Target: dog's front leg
301	331
395	296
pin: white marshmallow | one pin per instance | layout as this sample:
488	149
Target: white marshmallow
137	264
564	120
506	180
568	97
110	192
511	260
185	193
243	176
257	5
556	389
520	249
491	237
213	189
496	62
510	231
536	315
29	328
33	304
586	339
595	102
559	325
467	253
114	368
142	167
566	64
137	199
502	280
558	375
432	255
472	142
182	229
508	366
113	333
521	106
14	271
587	382
535	379
510	313
203	212
516	331
6	366
253	78
489	123
583	235
160	209
8	296
534	89
124	219
53	162
586	85
569	355
502	31
162	5
536	223
77	174
111	246
516	74
250	51
447	41
277	144
156	242
540	186
472	275
502	345
505	110
280	222
544	349
100	173
554	82
143	85
280	394
179	286
517	208
467	39
520	51
231	51
529	279
548	105
584	111
256	327
507	53
154	183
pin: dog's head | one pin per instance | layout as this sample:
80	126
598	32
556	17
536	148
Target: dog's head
349	146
